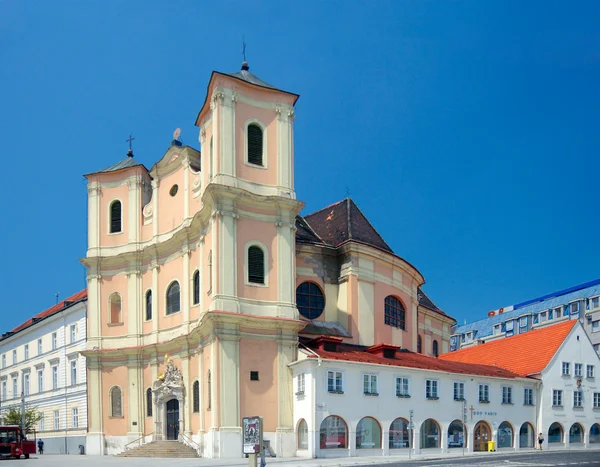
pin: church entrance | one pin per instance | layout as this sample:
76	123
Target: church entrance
173	419
482	435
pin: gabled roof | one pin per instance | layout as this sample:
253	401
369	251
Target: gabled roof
407	359
123	164
525	354
67	302
342	222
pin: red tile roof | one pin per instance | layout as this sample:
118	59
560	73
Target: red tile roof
407	359
525	354
82	295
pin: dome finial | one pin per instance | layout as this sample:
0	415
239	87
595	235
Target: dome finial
245	66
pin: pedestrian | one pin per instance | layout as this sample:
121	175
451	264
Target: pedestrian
541	440
263	461
41	446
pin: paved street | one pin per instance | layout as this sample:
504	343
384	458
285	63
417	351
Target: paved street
586	458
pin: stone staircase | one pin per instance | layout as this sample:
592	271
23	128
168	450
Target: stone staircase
171	449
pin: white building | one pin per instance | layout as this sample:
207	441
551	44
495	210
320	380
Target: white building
40	360
356	401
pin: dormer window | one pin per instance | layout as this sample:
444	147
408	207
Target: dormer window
255	144
115	217
330	346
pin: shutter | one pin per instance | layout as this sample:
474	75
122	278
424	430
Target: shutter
196	288
115	217
256	268
149	402
196	396
149	305
255	145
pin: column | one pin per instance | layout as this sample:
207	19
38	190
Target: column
444	440
286	271
155	184
226	121
185	286
225	261
286	440
134	209
133	306
94	193
95	435
155	294
230	432
187	405
186	188
285	152
94	308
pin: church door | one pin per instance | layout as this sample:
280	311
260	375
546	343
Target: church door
482	436
173	419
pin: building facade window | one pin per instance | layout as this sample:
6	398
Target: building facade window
56	420
459	391
149	402
148	305
256	265
431	389
335	382
505	435
73	372
173	298
395	314
368	434
14	353
115	308
15	389
116	405
528	396
26	384
577	398
435	348
507	395
40	349
55	377
310	300
555	433
590	373
430	434
115	217
402	387
566	370
196	294
595	326
557	397
370	385
333	433
578	370
255	144
75	417
300	383
399	434
196	396
596	400
40	378
523	324
302	434
26	357
73	333
419	345
595	303
484	393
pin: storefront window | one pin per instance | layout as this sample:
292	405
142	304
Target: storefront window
430	434
505	435
555	433
368	434
576	434
333	433
399	437
455	435
302	435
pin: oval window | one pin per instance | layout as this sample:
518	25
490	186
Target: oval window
173	190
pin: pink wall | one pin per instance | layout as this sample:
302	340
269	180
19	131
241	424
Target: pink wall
109	285
170	208
147	376
170	271
114	376
383	332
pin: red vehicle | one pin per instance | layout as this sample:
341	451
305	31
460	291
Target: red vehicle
14	443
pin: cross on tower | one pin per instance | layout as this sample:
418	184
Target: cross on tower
129	140
472	409
244	48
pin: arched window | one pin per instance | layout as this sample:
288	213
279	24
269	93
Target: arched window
419	345
456	435
148	305
526	436
148	402
256	265
255	144
435	348
505	435
368	434
302	434
595	433
116	403
394	312
208	391
576	434
334	433
555	433
173	303
196	297
115	217
430	434
310	300
115	308
399	434
196	396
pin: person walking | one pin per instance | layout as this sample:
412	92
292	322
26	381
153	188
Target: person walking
41	446
541	440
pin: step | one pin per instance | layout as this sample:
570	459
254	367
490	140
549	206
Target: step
163	449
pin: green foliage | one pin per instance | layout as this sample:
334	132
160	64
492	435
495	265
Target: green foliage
13	417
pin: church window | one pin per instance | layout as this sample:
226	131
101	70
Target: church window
148	402
255	144
256	265
148	305
419	345
208	391
173	303
115	217
196	298
435	348
173	190
196	396
115	308
394	312
310	300
116	405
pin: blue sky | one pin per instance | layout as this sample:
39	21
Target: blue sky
467	132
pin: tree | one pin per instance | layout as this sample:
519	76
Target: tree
13	417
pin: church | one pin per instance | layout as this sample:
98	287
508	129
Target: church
205	284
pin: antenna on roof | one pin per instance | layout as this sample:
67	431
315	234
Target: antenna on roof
56	295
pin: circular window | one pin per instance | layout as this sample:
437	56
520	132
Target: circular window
310	300
173	190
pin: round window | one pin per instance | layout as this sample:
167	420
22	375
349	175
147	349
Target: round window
173	190
310	300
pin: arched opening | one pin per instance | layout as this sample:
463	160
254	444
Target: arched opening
435	348
399	434
115	308
333	433
526	436
256	265
576	434
430	434
310	300
394	312
149	402
196	296
255	144
196	396
173	295
368	434
555	433
302	434
115	217
148	305
595	433
456	435
116	402
505	435
482	434
173	419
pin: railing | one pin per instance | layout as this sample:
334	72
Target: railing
128	445
191	443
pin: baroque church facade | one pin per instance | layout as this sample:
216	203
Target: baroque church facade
203	280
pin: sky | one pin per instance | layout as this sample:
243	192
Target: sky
466	131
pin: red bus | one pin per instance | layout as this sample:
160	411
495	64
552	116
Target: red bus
13	443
